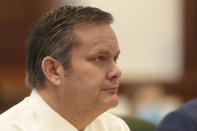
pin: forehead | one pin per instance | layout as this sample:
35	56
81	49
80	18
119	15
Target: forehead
96	37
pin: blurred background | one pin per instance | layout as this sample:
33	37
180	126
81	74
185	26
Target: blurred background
158	52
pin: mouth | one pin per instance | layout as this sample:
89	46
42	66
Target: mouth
112	90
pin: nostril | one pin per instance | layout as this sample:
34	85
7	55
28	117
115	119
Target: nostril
115	77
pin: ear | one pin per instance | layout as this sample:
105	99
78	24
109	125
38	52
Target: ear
53	70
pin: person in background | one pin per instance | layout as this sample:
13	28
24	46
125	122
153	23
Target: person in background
71	67
182	119
150	102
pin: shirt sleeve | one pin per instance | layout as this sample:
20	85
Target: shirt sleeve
175	121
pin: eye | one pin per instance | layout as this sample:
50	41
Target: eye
100	58
115	59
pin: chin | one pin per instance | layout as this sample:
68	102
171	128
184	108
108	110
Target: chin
111	102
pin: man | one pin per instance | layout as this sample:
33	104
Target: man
71	66
182	119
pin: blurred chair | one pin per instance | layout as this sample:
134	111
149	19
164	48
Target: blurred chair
136	124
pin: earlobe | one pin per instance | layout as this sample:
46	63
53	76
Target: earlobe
51	69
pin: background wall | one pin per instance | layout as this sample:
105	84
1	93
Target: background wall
15	19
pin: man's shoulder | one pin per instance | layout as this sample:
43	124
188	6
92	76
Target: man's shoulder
189	107
189	111
16	114
183	119
18	118
175	121
14	111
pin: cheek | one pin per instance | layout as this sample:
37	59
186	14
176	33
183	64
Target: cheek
89	76
90	82
93	78
87	85
90	73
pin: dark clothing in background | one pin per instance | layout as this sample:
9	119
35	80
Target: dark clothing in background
182	119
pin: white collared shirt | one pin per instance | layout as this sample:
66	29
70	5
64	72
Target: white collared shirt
33	114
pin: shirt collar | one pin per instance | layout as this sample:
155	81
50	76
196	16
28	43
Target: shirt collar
48	118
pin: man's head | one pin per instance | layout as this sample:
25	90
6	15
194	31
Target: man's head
71	55
53	36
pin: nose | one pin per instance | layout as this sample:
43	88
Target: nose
114	73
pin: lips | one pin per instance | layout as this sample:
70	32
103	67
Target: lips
111	88
113	85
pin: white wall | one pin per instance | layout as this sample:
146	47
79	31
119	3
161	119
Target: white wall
150	37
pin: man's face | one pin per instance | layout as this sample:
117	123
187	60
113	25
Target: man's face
93	79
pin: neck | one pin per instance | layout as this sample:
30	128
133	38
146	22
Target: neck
78	115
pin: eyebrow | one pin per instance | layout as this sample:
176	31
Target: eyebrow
104	51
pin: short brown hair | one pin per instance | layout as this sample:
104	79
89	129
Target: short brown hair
53	36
